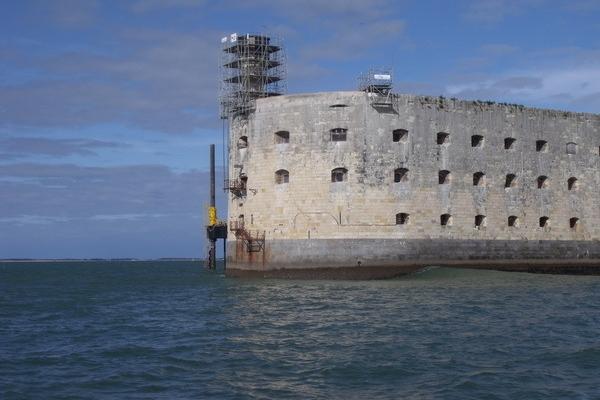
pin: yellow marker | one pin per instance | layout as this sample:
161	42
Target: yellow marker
212	216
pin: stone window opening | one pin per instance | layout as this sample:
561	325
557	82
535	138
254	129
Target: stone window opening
282	137
444	177
400	135
574	223
476	141
400	175
282	176
244	181
480	221
572	183
511	181
478	179
402	218
541	146
338	134
443	138
445	220
339	175
544	222
509	143
571	148
242	142
513	221
542	182
338	106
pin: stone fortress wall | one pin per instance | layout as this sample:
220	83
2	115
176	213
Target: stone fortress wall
432	180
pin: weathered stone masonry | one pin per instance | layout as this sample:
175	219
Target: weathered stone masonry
334	182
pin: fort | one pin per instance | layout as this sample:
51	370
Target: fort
371	184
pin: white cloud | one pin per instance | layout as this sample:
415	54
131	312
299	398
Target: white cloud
34	220
142	6
563	88
494	11
163	82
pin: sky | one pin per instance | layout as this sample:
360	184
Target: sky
107	108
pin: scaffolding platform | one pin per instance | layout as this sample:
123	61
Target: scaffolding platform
378	84
252	67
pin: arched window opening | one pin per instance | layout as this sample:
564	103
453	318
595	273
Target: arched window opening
402	218
574	223
544	222
444	177
443	138
338	134
339	175
513	221
400	175
476	141
282	176
445	220
400	135
572	183
282	137
478	179
541	146
542	182
509	143
480	221
571	148
511	181
338	106
242	142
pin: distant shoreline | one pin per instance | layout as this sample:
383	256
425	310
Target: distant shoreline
49	260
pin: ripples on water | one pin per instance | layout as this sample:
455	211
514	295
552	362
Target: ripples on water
175	331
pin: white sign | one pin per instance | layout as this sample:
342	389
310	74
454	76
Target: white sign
383	77
233	37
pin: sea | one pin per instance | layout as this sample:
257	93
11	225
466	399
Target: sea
174	330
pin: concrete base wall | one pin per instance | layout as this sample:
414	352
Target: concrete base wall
382	258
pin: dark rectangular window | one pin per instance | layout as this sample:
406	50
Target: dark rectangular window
444	177
509	143
338	134
443	138
479	221
476	141
445	219
402	218
282	137
400	135
541	146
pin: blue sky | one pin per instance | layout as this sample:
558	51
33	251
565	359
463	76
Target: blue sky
107	107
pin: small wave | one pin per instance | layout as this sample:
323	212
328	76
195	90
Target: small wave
582	358
436	273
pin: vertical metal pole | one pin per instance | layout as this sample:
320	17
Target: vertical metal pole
213	242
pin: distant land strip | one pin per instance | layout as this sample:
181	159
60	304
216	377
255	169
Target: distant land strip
14	260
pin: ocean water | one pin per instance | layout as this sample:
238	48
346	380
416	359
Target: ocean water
172	330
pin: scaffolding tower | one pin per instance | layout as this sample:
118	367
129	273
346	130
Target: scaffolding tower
252	67
377	82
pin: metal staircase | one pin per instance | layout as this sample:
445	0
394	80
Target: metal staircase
254	241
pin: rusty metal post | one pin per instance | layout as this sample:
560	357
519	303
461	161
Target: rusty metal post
213	242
